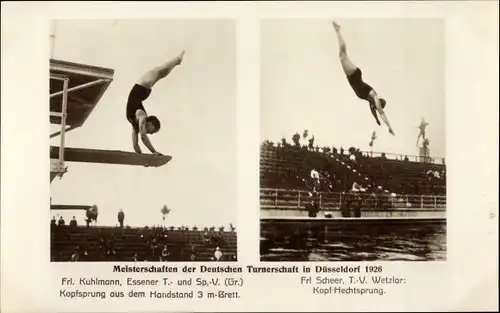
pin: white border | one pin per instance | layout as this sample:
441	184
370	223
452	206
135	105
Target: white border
467	281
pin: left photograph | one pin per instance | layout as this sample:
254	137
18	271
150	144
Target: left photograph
143	140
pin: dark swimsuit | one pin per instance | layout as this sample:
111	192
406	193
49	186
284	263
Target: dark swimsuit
137	95
361	89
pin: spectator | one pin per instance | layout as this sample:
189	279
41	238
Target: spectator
206	237
135	258
406	158
193	253
430	174
341	151
164	253
357	187
215	238
53	222
121	218
218	254
153	246
314	174
296	140
73	223
102	243
283	142
111	254
311	143
61	222
75	256
312	208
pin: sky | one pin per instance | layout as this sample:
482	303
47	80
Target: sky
196	104
303	85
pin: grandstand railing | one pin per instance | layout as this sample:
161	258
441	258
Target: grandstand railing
372	154
401	157
289	199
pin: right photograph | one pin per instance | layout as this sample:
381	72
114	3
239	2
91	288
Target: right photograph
352	155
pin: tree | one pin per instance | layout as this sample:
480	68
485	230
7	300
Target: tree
92	214
374	136
165	210
305	134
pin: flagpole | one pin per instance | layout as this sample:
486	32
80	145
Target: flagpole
52	38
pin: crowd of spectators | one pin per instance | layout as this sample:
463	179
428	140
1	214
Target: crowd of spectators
328	169
74	243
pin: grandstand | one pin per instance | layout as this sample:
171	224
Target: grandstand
140	244
393	186
75	91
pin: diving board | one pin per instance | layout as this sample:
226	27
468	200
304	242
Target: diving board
110	157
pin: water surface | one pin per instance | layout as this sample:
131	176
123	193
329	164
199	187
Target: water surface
357	242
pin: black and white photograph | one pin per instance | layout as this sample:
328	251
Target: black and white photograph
143	140
352	156
258	156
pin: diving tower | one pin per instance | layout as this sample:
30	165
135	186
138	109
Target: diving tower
75	91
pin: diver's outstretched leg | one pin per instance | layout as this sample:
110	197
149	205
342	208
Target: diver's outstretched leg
149	79
347	64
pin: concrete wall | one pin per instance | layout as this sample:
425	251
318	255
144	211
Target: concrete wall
282	212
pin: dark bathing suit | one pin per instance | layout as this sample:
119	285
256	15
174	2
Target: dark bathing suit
361	89
137	95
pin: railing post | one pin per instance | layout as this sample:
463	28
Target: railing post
435	202
63	122
421	202
340	200
298	200
320	200
276	199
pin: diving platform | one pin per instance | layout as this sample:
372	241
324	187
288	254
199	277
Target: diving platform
74	91
70	207
85	85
